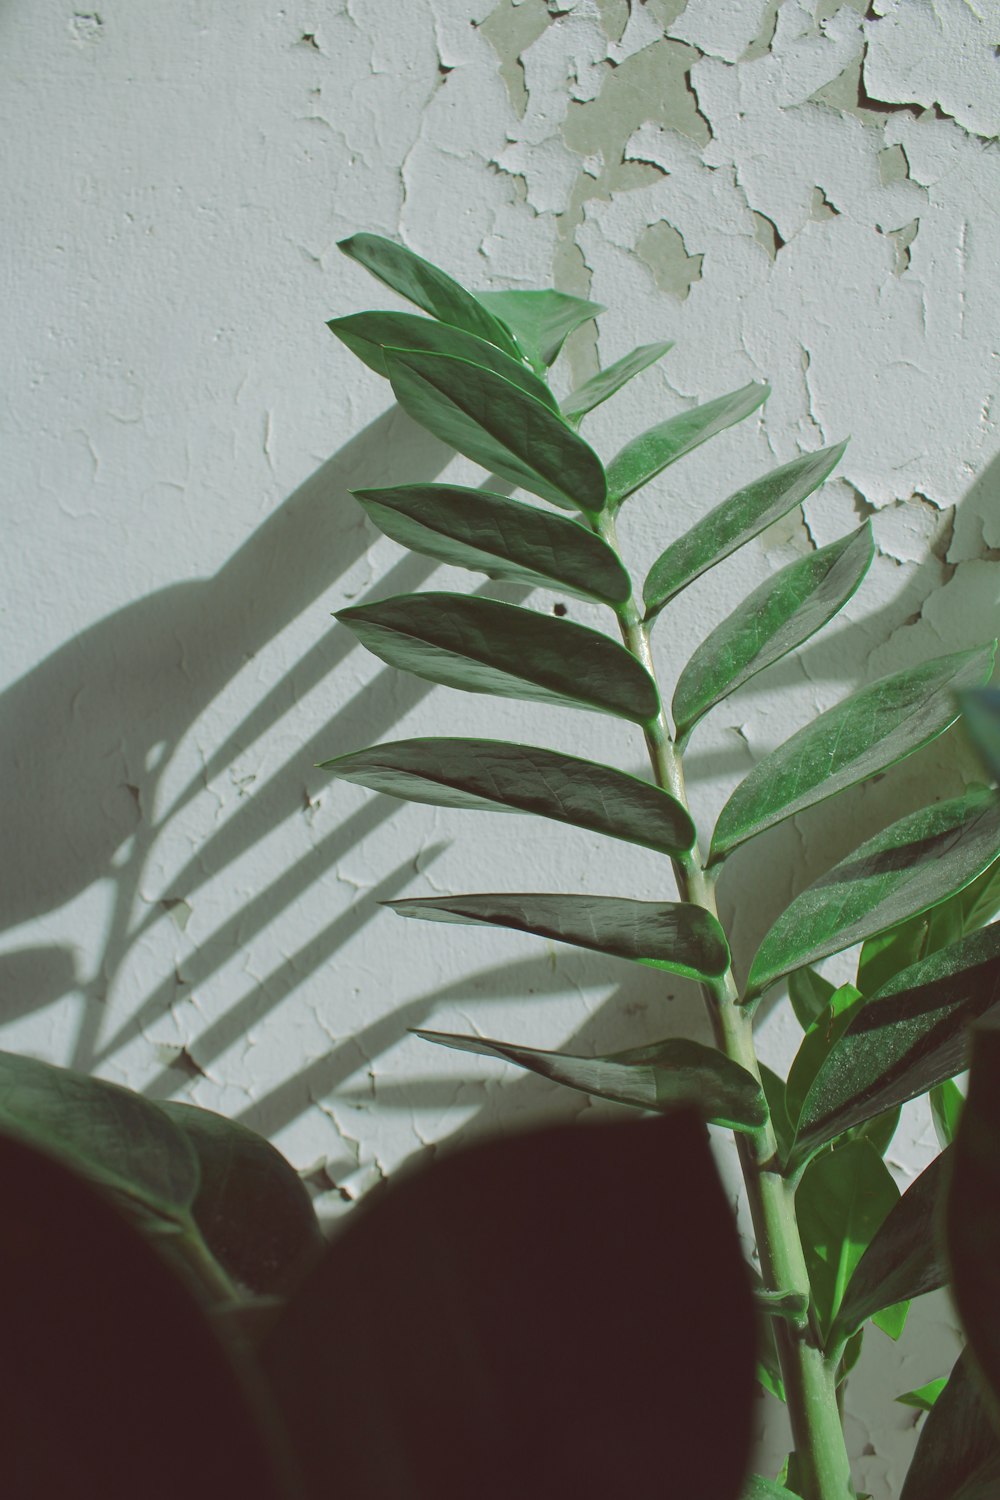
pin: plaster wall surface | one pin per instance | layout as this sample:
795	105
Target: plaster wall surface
800	192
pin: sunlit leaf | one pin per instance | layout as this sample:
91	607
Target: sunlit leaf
503	538
609	381
656	1076
490	775
890	952
771	621
670	935
540	321
947	1102
815	1046
486	647
649	454
925	1396
736	521
859	737
500	426
958	1451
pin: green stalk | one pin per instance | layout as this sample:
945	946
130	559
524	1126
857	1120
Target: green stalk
808	1378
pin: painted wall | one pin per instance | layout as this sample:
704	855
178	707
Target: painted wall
800	192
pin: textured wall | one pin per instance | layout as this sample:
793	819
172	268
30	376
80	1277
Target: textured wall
800	192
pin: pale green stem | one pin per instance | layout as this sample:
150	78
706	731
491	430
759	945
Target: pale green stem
809	1380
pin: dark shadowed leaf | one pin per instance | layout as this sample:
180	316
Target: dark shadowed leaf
540	321
809	994
907	1038
815	1046
607	382
502	538
773	620
946	1102
958	1451
473	1352
428	287
890	952
657	1076
650	453
369	334
774	1093
491	776
867	733
907	868
734	522
498	425
668	935
981	707
486	647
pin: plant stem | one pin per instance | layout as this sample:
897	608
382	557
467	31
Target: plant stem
808	1379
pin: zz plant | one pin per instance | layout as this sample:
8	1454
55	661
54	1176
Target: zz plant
837	1245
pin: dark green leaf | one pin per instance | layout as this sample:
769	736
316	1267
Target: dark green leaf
774	1093
502	538
486	647
757	1488
849	1358
650	453
369	334
540	321
902	1261
907	868
815	1046
736	521
664	935
842	1199
607	382
867	733
907	1038
924	1396
958	1452
809	994
428	287
946	1101
656	1076
981	708
500	426
879	1131
456	1343
773	620
888	954
489	775
252	1208
981	900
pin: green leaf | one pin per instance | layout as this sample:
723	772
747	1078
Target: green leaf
981	900
428	287
498	425
809	994
892	1320
815	1046
656	1076
773	620
907	1038
842	1199
903	1260
879	1131
757	1488
924	1396
890	952
958	1452
607	382
865	734
252	1209
907	868
734	522
667	935
486	647
489	775
981	708
369	334
540	321
947	1102
849	1358
502	538
774	1093
650	453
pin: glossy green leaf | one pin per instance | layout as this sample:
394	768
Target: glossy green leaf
890	952
664	935
252	1209
541	321
492	776
809	994
428	287
907	868
608	382
369	334
947	1102
958	1451
486	647
867	733
650	453
925	1396
757	1488
981	709
734	522
815	1046
892	1320
502	538
842	1199
879	1131
781	1124
773	620
905	1040
981	900
500	426
656	1076
903	1260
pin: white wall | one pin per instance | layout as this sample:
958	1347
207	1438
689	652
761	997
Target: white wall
793	192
